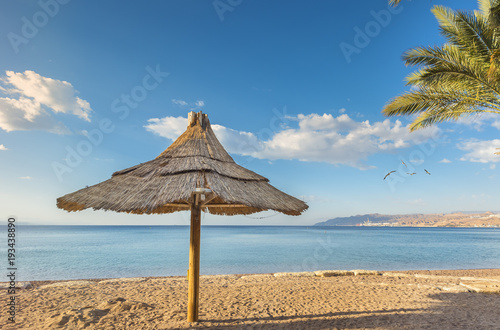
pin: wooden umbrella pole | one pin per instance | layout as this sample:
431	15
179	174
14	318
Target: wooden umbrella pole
194	262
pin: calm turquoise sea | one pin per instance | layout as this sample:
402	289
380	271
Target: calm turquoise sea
77	252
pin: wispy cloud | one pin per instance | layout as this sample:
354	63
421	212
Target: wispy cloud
480	151
418	202
2	147
444	160
496	124
316	199
179	102
31	100
317	138
477	121
417	161
198	104
26	178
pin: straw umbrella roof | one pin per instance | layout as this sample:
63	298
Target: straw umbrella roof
165	184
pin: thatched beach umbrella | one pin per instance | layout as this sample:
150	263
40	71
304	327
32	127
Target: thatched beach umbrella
195	173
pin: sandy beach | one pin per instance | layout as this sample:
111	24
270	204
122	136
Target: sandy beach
455	299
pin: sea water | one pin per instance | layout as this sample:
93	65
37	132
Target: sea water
79	252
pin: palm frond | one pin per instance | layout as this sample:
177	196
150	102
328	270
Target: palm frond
451	113
460	78
439	104
494	13
475	35
446	56
466	30
394	3
449	66
485	6
494	69
446	19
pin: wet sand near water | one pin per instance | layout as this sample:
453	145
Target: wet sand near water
445	299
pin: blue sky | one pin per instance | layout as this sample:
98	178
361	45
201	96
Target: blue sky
293	89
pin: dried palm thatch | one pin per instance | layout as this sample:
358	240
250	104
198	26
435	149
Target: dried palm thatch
165	184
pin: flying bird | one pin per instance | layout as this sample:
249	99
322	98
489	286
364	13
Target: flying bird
388	174
404	163
411	173
426	171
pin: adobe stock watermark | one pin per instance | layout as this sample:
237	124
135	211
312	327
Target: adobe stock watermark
12	298
413	163
122	106
223	6
322	252
30	27
363	36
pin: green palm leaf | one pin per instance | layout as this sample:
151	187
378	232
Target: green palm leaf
394	2
434	105
460	78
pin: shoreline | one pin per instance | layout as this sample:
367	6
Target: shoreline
260	225
459	299
37	283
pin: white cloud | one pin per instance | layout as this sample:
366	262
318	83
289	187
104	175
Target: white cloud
482	195
199	103
342	110
25	114
318	138
444	160
493	166
480	151
496	124
238	142
29	96
477	121
179	102
2	147
168	127
314	122
316	199
26	178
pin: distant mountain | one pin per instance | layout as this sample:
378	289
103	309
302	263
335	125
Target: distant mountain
455	219
357	219
474	212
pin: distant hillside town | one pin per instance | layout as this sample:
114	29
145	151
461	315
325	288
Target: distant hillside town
455	219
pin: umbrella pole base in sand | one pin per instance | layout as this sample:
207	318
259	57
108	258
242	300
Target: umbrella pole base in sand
194	263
